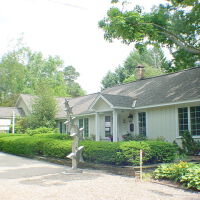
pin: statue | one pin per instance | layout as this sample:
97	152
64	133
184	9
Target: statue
76	133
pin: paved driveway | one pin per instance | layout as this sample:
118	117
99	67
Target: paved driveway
26	179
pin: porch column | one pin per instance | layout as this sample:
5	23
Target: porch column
115	126
97	126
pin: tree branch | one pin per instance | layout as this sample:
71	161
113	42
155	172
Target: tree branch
179	42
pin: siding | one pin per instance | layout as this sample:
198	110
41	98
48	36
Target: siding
161	122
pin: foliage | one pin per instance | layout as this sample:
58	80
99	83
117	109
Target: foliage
22	124
58	145
41	130
130	151
152	59
100	152
161	151
174	24
183	172
43	109
22	70
190	146
129	137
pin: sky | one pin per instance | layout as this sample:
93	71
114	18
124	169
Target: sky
69	29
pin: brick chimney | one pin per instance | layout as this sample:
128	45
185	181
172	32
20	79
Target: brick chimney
139	72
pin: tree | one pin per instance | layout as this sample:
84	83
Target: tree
44	108
22	70
174	25
153	59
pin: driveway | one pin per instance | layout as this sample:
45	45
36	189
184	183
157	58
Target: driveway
27	179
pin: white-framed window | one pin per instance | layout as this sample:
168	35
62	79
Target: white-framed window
189	120
84	123
107	126
142	123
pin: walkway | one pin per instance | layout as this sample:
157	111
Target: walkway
22	179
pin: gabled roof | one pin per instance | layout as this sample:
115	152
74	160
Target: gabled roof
165	89
80	104
7	112
114	101
161	90
119	100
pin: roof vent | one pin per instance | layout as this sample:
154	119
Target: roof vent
139	72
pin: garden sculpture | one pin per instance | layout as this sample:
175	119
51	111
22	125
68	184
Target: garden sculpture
76	133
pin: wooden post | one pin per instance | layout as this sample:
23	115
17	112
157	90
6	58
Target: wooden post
140	164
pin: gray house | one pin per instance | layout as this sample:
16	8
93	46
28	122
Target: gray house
162	106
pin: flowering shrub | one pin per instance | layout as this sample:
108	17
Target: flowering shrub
183	172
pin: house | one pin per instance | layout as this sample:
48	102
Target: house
6	117
163	106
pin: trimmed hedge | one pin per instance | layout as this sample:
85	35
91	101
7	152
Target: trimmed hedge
118	153
186	173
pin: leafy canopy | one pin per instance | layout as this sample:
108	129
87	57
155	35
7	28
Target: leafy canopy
44	108
175	24
22	70
153	59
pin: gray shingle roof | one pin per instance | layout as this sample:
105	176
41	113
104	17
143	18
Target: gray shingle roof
119	100
170	88
7	112
80	104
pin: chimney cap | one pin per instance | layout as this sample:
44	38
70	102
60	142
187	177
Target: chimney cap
139	66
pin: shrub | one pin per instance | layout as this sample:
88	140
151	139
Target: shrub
41	130
22	125
130	152
161	151
190	146
100	152
129	137
58	145
35	145
183	172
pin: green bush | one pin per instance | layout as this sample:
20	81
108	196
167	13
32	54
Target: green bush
183	172
35	145
139	137
100	152
190	146
161	151
41	130
130	152
59	145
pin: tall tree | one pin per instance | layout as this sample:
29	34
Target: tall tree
22	70
43	108
174	25
153	59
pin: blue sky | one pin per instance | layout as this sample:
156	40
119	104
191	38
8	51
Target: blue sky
68	28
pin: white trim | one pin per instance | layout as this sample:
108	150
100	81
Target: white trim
134	103
82	115
189	123
176	122
147	124
95	101
168	104
125	108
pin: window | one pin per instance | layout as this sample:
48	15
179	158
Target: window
183	120
86	131
131	127
189	120
84	123
142	123
107	126
195	120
